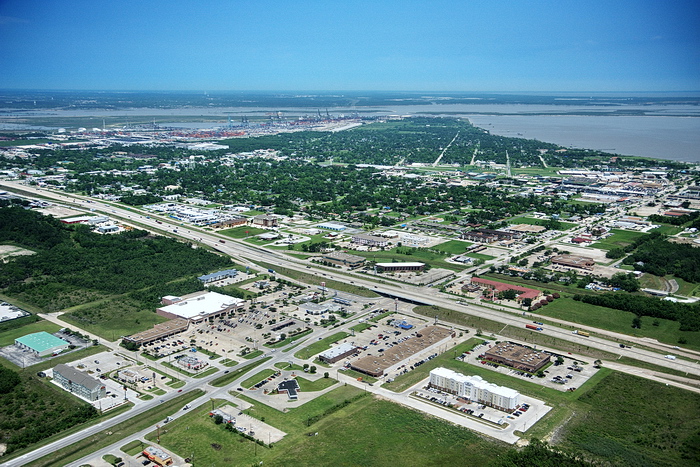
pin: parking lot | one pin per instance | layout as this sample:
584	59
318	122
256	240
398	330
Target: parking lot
567	376
99	366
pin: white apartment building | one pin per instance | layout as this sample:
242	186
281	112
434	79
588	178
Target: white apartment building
474	388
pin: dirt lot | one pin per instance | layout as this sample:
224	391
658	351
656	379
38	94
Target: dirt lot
59	211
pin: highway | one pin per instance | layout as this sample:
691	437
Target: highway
428	295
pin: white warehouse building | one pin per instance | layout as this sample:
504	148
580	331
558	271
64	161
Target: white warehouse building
474	388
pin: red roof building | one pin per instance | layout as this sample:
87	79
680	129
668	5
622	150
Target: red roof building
523	292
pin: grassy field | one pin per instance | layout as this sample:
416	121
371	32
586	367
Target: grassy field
8	337
667	229
101	439
639	431
111	319
309	278
383	433
319	346
619	238
453	247
240	232
313	386
686	288
619	321
531	221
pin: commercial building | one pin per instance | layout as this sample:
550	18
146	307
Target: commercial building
311	308
374	365
157	455
291	387
42	343
159	331
474	388
264	220
343	259
229	223
191	363
337	353
199	306
332	226
218	276
400	267
77	382
370	240
488	235
129	376
574	261
517	356
523	292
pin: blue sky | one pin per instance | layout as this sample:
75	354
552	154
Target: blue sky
402	45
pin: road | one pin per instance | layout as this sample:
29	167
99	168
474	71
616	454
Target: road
427	295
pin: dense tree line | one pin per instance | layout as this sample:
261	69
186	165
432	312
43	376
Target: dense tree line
687	315
83	261
540	454
31	410
677	220
661	257
26	228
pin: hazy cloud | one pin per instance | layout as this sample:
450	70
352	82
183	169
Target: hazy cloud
11	20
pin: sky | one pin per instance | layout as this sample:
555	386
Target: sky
383	45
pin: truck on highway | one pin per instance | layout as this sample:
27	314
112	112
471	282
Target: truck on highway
670	357
533	327
581	333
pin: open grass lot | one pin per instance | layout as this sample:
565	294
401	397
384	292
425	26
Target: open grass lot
453	247
531	221
619	422
8	337
313	386
111	319
619	238
368	431
320	346
619	321
312	279
240	232
667	229
686	288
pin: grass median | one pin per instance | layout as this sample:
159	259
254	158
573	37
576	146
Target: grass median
228	378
